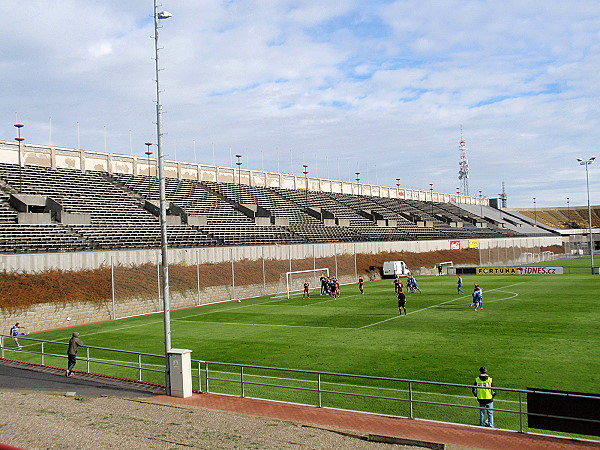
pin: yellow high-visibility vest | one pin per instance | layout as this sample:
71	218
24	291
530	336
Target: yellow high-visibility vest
484	394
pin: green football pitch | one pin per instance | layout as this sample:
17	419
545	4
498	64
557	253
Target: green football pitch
534	331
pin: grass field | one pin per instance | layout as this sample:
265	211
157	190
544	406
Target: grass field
535	331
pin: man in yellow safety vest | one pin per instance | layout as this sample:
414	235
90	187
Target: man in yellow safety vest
485	396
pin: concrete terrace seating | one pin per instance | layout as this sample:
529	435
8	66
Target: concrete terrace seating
118	218
16	238
7	214
225	224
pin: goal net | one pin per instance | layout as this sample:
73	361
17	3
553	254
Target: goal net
290	282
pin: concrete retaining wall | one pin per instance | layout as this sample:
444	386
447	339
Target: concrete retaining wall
41	262
50	316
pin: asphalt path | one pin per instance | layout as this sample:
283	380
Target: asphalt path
24	377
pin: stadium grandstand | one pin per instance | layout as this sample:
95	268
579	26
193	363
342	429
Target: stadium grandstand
564	218
62	200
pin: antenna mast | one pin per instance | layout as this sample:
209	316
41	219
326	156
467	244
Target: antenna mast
503	197
463	166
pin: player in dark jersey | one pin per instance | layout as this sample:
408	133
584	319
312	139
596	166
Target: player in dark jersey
401	299
323	281
306	293
397	282
361	284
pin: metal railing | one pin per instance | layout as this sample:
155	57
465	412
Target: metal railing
326	389
91	356
400	397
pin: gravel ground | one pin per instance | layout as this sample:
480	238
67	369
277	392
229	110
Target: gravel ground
41	420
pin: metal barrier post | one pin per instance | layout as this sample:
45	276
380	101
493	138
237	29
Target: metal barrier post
87	351
206	368
2	346
200	376
43	354
139	367
319	390
242	381
520	412
410	399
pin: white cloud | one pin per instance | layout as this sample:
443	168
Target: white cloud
375	83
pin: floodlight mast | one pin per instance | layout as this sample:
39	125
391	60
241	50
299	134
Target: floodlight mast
587	163
160	15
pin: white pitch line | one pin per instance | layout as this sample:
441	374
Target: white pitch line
435	306
271	325
505	298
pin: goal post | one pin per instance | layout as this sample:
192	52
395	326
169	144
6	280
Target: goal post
294	280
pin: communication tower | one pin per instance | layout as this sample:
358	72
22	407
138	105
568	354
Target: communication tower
503	197
463	166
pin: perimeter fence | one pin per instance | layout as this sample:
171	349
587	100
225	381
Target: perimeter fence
437	401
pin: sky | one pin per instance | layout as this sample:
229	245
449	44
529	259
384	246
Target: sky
380	87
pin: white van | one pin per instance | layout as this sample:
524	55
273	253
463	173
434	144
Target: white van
392	269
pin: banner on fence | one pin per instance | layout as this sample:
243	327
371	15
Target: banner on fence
473	243
454	245
497	271
519	270
541	270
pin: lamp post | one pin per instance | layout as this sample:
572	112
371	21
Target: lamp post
534	213
306	181
239	164
148	153
431	196
20	140
568	213
161	15
357	181
481	205
398	187
586	163
457	191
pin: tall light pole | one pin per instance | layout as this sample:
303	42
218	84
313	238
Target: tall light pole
587	183
481	205
148	153
534	213
357	181
306	181
20	140
568	213
239	164
160	15
431	194
398	187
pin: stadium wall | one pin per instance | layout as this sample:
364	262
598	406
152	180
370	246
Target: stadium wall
79	159
49	316
76	261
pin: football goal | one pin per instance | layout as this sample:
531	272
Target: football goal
294	281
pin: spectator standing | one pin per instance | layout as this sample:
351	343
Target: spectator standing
485	396
74	344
